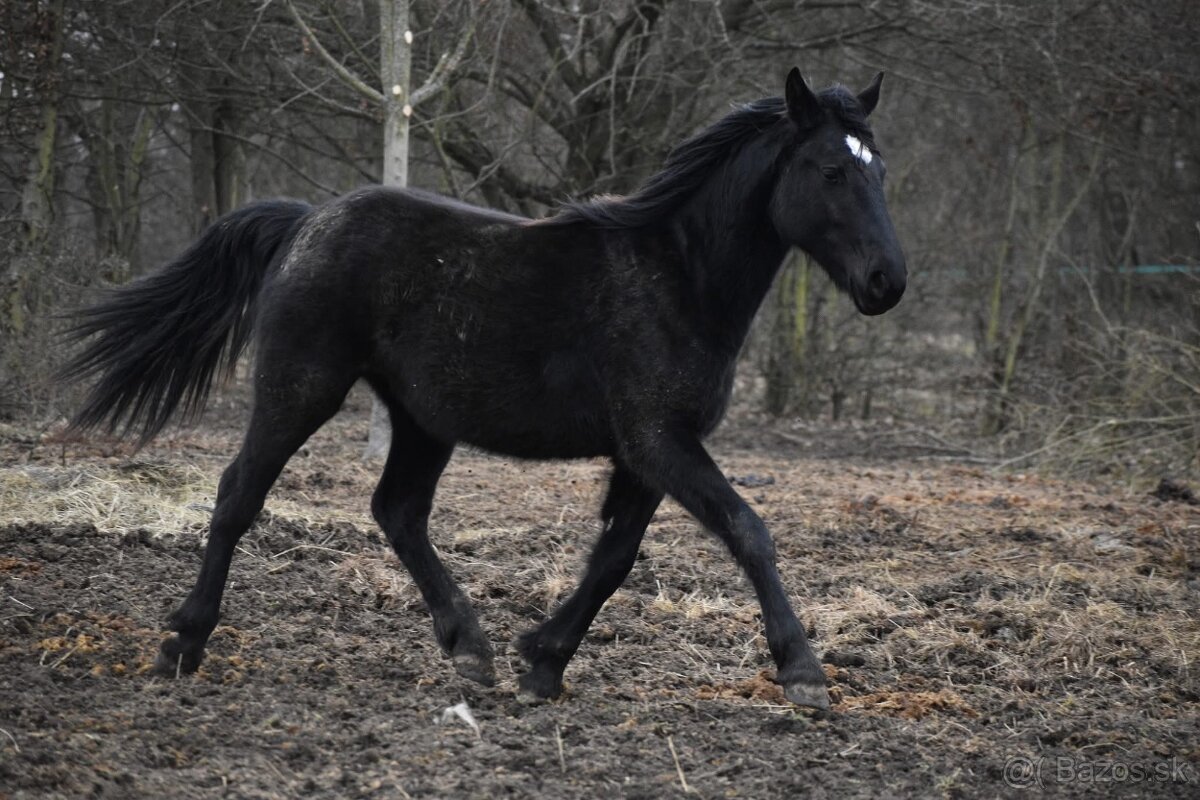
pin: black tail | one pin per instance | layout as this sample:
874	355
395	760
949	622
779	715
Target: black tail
160	339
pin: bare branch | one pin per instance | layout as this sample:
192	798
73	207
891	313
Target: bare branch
549	34
477	159
349	78
446	64
274	153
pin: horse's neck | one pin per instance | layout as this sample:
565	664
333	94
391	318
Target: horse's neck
732	254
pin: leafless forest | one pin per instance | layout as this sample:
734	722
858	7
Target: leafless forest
981	499
1043	176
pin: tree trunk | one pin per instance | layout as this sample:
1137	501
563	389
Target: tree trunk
37	201
994	415
217	159
780	368
801	289
203	162
229	160
117	142
1056	216
787	386
130	221
37	198
395	68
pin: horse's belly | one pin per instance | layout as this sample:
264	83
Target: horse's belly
526	427
526	410
578	442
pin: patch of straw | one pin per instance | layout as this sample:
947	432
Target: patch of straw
158	497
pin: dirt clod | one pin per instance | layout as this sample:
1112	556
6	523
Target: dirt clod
1171	491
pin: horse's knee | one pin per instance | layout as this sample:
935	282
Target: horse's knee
399	516
610	567
388	510
749	538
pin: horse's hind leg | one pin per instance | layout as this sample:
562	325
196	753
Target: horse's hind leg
626	513
291	402
401	505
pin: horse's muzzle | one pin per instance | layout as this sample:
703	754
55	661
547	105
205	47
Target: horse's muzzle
881	291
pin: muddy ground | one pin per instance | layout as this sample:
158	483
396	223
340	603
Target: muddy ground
983	629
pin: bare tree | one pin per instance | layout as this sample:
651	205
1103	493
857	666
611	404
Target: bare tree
397	101
45	49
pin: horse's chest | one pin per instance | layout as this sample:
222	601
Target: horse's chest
694	390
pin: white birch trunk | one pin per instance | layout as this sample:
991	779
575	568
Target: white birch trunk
395	68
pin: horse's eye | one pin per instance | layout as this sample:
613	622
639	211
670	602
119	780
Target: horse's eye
832	174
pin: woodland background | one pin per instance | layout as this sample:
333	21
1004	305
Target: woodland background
1044	172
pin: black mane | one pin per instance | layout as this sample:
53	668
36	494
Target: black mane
689	164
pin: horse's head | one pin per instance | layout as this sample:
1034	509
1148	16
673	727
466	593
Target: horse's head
828	199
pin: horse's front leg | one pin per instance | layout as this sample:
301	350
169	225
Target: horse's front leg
676	463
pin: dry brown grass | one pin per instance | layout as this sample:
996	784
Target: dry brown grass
160	497
932	577
968	617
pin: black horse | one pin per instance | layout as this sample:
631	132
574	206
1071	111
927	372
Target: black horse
609	329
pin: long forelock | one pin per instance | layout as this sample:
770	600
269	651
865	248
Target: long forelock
848	112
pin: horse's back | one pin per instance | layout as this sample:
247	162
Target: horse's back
484	333
488	329
473	320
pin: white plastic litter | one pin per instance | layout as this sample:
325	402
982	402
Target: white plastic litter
461	711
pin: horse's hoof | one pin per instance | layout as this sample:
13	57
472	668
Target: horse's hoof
528	698
538	686
809	695
475	667
174	660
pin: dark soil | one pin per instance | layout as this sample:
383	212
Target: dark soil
968	621
1172	491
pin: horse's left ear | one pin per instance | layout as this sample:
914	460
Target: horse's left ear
802	105
869	96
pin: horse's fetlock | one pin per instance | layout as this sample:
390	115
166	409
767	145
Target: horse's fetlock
190	622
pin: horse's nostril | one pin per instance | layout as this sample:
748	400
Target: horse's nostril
877	283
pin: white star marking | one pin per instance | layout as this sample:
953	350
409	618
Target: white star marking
860	152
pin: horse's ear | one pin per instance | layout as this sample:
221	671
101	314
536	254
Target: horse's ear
802	104
869	97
